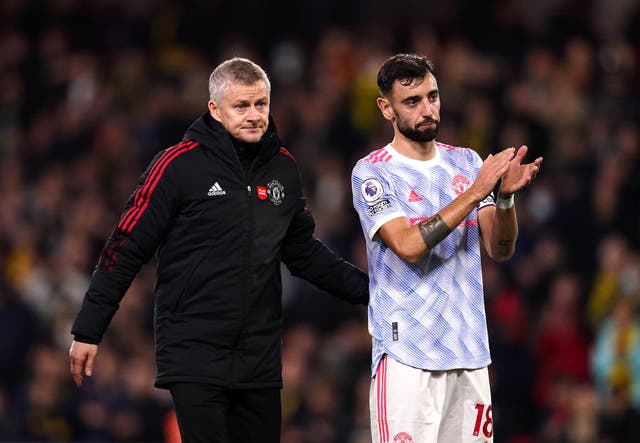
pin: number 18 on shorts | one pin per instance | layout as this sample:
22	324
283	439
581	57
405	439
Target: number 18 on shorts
410	405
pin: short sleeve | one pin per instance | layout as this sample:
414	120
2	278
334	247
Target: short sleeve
374	198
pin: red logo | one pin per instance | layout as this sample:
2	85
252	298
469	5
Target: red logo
460	184
414	220
414	197
403	437
262	192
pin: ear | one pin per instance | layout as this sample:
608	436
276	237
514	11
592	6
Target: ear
385	108
214	111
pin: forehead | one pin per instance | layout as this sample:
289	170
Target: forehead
417	87
239	91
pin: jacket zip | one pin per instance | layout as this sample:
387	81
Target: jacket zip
245	269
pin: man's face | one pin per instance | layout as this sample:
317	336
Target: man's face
414	109
243	110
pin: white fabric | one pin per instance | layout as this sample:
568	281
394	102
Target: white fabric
431	314
419	406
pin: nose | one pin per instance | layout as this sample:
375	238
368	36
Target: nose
427	108
253	114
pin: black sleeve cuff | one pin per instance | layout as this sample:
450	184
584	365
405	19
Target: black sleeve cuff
83	339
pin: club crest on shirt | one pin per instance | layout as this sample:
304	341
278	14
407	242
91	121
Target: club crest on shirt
275	190
460	184
371	190
402	437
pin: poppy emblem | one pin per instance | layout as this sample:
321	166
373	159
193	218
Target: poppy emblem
262	192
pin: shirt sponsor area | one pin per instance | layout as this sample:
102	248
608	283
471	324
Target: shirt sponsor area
470	222
380	206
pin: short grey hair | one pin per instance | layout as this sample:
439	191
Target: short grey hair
235	70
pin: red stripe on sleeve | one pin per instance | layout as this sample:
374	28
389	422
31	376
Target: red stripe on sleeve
143	195
143	192
287	153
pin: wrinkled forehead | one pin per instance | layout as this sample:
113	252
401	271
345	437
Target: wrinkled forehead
256	90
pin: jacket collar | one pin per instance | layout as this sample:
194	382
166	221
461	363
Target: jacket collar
212	135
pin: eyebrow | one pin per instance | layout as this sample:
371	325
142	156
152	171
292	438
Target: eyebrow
410	98
243	101
417	96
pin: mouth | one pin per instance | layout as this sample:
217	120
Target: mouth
427	124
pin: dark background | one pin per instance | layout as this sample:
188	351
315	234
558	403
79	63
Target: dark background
90	91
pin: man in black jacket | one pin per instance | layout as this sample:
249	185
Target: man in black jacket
222	209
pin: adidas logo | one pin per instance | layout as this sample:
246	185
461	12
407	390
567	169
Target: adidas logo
216	189
414	197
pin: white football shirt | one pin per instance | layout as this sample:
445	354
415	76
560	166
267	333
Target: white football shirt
428	315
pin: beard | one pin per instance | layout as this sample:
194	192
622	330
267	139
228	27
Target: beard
417	135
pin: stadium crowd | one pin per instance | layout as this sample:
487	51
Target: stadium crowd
92	90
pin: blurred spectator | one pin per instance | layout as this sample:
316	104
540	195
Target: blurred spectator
92	90
616	353
560	344
618	276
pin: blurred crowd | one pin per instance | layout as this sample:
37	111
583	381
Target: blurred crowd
90	91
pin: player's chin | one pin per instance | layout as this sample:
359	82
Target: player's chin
251	136
425	133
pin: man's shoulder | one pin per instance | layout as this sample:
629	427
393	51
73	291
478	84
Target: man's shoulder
174	155
380	155
456	152
372	162
453	149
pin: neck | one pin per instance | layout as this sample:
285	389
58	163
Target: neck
240	143
412	149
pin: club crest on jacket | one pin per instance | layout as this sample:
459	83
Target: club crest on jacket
275	190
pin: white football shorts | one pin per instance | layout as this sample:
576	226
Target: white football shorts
410	405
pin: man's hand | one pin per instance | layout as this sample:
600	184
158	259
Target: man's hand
518	175
81	356
493	167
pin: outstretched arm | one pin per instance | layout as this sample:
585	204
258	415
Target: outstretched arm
131	244
307	257
501	221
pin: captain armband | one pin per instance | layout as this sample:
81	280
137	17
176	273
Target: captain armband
433	230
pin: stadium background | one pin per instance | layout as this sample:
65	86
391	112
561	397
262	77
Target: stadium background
91	90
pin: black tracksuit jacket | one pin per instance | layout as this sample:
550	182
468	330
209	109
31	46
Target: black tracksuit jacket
220	237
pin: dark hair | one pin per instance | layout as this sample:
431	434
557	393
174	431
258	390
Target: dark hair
406	68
